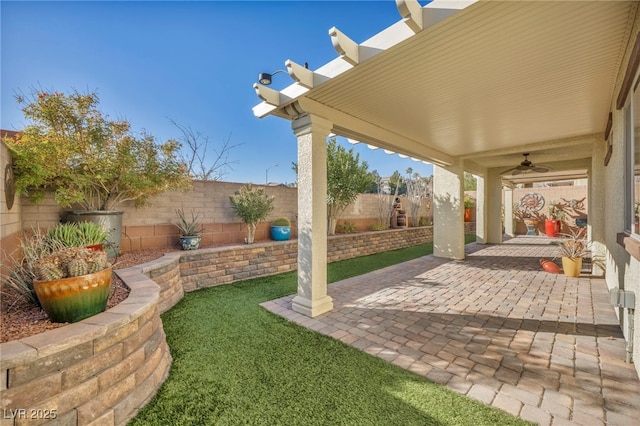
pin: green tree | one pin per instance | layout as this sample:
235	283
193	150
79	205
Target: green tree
252	205
397	184
347	177
470	183
74	150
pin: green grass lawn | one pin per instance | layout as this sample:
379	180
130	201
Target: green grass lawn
234	363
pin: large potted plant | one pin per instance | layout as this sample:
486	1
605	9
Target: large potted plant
90	163
251	205
573	248
72	283
553	225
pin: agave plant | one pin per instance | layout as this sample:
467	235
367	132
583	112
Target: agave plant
189	227
77	234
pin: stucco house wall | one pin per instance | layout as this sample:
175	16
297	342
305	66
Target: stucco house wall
622	269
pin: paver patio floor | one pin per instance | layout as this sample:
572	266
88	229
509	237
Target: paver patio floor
494	327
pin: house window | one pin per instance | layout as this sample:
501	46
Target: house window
632	163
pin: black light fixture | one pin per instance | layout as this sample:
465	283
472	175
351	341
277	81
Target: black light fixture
265	77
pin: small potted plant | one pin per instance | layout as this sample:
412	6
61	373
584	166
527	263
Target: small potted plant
72	283
636	217
553	225
573	248
190	230
280	229
251	205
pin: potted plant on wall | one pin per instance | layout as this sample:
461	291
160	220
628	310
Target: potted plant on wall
190	230
553	225
280	229
89	163
72	283
251	205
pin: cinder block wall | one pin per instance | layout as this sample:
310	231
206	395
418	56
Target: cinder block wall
153	226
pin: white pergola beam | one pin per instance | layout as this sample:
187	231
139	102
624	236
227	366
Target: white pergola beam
346	48
270	96
411	13
300	74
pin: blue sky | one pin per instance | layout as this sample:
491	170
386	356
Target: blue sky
191	62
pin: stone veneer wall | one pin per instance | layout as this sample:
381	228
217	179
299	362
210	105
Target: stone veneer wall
102	370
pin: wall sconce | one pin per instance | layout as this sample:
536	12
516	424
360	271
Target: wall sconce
265	77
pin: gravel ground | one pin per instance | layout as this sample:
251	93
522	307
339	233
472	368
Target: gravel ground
19	318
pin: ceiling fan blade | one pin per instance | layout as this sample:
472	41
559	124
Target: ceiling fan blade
541	169
517	171
508	171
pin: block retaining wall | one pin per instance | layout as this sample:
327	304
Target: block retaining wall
102	370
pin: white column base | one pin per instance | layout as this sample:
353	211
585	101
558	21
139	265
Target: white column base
312	308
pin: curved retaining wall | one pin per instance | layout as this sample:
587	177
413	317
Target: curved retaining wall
102	370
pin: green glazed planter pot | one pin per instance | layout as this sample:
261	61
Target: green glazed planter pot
75	298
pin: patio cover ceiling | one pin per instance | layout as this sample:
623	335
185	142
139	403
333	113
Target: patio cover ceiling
485	84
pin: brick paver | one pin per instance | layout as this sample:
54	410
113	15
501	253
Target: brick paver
494	327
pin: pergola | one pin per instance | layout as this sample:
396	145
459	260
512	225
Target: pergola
467	86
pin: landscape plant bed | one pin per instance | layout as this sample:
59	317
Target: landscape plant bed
20	319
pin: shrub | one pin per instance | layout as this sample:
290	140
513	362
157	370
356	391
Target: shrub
73	149
281	221
348	228
251	205
424	221
379	226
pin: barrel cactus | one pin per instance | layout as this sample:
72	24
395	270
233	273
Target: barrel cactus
70	262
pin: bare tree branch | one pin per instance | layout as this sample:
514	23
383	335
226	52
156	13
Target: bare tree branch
194	154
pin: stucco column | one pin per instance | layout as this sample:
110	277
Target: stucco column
448	213
481	210
596	217
312	299
508	212
493	208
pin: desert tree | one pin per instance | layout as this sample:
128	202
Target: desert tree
205	160
347	177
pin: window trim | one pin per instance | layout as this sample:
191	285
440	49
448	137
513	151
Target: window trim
629	239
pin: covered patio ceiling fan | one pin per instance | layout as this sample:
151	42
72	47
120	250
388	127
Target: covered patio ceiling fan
526	166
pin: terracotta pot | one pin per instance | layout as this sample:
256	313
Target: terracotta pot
467	215
552	227
549	266
572	266
75	298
